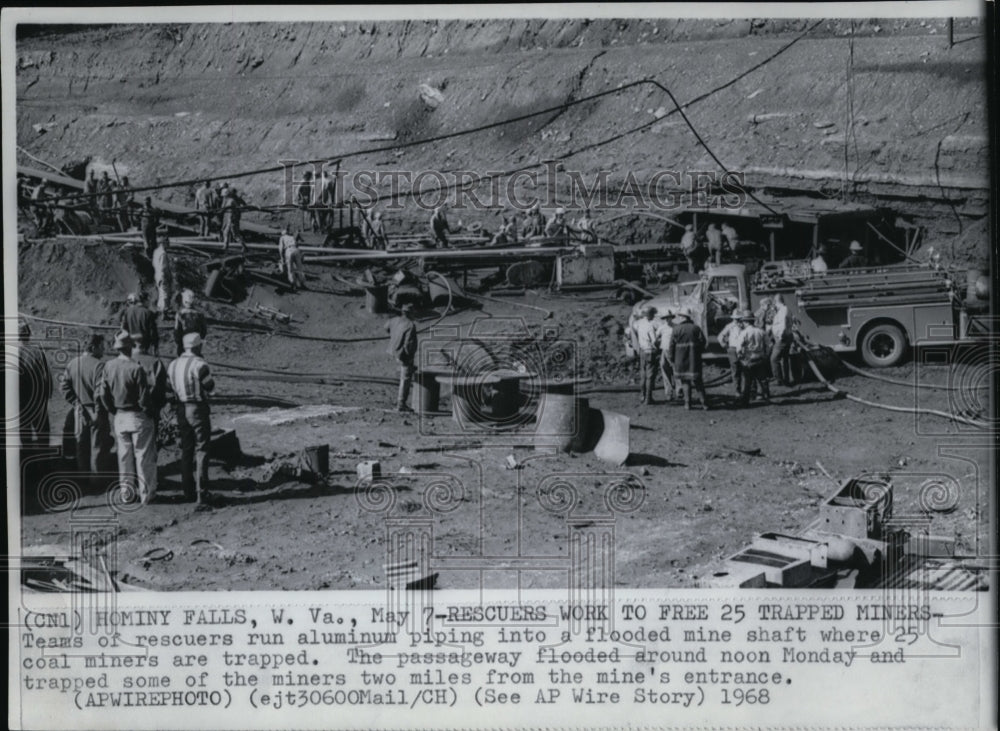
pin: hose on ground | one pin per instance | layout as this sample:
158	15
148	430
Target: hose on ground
895	381
890	407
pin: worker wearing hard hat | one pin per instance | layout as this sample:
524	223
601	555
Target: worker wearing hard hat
687	344
191	382
752	351
188	320
856	258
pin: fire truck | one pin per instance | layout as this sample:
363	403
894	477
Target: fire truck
880	312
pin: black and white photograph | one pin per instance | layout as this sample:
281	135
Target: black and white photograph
411	302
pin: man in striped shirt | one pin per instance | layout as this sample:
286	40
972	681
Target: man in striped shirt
191	381
124	392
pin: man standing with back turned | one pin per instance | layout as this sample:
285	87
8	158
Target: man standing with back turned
403	346
124	392
191	381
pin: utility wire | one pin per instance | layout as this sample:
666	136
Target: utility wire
512	120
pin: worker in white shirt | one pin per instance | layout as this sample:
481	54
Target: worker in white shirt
670	389
782	333
727	339
647	340
291	259
818	264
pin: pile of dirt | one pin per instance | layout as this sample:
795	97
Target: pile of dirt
79	281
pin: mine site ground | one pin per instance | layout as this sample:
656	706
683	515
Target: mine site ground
708	480
711	479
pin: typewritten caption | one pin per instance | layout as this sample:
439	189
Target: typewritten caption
649	657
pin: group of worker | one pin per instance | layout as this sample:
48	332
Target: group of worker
220	209
758	346
533	224
699	247
119	401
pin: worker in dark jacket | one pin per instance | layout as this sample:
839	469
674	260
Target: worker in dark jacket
91	426
188	320
156	378
687	343
137	318
124	200
149	219
403	347
34	390
855	258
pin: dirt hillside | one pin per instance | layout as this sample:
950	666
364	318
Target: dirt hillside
885	103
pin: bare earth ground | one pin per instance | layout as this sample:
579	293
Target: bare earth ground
702	499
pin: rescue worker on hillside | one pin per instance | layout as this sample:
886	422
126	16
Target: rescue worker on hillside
781	334
231	214
534	223
188	320
647	337
751	349
855	258
156	378
377	238
556	226
90	188
304	200
506	232
689	244
440	228
191	382
585	227
204	201
137	318
714	238
124	198
291	257
34	390
105	188
403	347
149	221
163	276
687	344
91	426
124	392
727	339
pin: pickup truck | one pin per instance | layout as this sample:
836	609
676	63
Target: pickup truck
880	312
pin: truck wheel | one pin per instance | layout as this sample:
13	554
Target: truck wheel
883	346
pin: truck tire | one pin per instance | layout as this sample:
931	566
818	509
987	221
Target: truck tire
883	345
